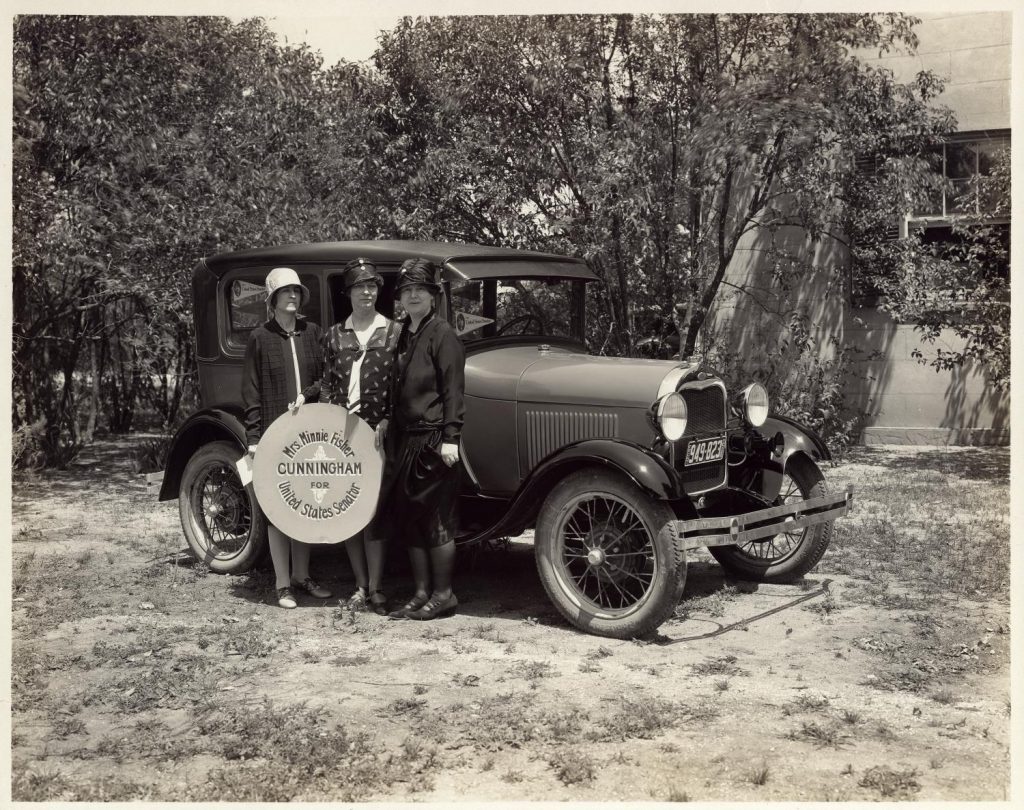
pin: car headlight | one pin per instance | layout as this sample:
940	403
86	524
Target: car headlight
670	415
755	404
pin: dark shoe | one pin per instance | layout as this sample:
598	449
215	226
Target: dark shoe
286	599
310	586
379	603
434	609
413	604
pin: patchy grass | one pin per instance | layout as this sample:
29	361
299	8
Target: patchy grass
889	783
823	607
724	665
925	524
646	718
572	766
137	676
823	736
759	774
805	702
713	604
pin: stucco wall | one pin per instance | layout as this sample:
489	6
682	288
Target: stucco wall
971	51
900	399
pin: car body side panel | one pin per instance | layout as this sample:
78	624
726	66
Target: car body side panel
544	429
489	439
495	374
642	466
562	376
220	384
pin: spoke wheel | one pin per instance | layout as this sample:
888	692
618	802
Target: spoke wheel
606	553
789	555
601	557
223	524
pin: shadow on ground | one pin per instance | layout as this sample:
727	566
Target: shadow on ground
977	464
489	582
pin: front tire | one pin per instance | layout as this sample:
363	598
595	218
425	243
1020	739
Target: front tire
603	559
223	524
785	557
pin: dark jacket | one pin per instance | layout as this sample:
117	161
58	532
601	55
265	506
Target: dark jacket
341	350
431	379
265	394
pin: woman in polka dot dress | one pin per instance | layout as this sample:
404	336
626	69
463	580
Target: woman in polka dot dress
360	356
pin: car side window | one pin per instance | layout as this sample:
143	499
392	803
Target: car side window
247	304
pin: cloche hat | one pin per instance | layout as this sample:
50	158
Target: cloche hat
284	277
359	270
418	271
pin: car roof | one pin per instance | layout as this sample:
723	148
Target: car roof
461	260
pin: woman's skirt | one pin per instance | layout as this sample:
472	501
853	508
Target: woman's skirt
417	500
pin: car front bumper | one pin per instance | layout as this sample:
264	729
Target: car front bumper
729	531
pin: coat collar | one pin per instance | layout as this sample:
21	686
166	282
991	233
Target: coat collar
273	326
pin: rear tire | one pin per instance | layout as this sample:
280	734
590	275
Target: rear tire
603	559
223	523
786	557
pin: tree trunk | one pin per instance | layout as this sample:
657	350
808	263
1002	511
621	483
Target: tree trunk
94	397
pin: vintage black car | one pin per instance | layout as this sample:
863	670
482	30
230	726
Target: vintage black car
620	465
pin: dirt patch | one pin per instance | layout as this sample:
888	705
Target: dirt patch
137	675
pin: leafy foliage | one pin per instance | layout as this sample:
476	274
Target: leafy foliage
141	144
658	147
961	285
651	145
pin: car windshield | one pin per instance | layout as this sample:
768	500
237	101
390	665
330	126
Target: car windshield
547	307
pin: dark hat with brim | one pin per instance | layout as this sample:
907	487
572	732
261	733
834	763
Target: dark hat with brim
359	270
418	271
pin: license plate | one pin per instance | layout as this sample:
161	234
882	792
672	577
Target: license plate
704	451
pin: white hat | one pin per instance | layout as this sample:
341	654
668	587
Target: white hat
284	277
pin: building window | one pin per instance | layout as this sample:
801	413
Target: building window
962	159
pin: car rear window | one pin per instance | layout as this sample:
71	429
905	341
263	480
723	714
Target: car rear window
247	304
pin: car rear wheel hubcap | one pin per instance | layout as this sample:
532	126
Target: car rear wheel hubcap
220	501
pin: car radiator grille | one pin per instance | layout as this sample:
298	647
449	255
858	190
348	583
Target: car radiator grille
705	410
548	430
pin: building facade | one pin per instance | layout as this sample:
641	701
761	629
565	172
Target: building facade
897	398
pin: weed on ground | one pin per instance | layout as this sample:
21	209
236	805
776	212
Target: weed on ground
889	783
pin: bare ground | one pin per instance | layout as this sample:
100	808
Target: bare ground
137	675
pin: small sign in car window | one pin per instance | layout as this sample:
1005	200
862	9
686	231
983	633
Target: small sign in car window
468	322
248	305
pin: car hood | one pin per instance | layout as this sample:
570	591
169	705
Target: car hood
561	375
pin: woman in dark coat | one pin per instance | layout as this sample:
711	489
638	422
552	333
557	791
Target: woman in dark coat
360	357
427	417
282	369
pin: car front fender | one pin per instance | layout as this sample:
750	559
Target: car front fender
797	439
203	427
640	465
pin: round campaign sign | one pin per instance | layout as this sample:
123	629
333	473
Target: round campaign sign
316	473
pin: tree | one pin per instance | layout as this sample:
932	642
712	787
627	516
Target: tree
961	285
142	144
652	145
